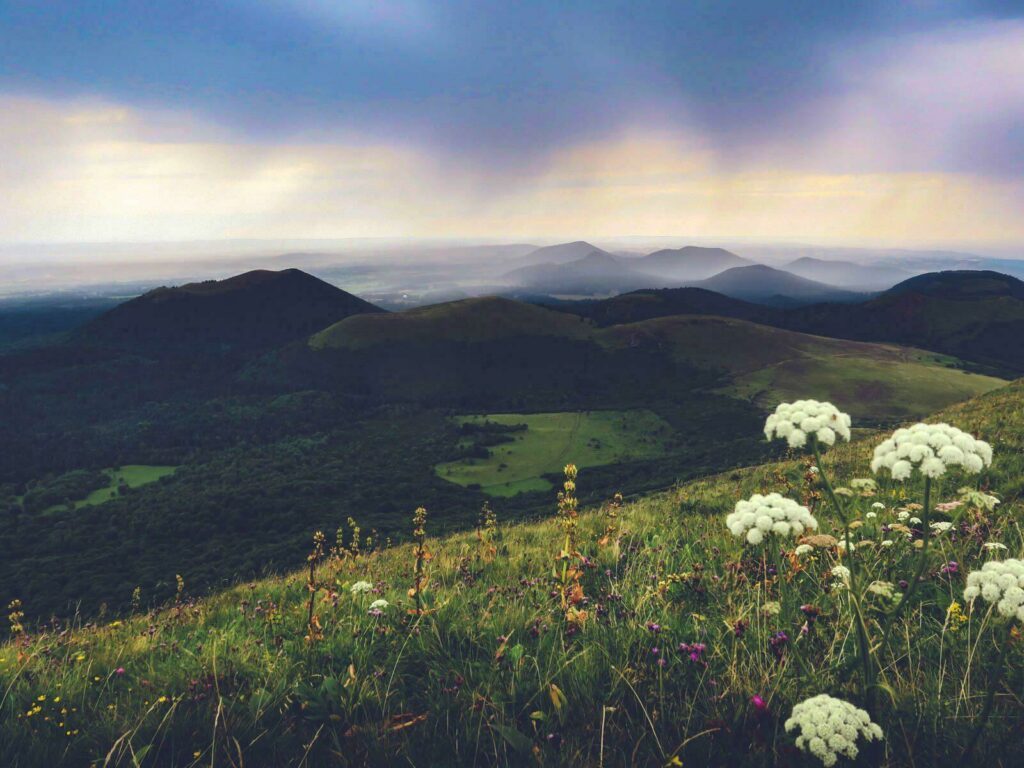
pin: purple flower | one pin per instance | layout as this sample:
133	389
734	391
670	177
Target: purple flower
696	650
759	704
653	628
777	643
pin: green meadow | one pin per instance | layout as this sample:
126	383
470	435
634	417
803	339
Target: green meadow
129	475
551	440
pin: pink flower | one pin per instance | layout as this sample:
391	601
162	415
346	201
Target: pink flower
759	704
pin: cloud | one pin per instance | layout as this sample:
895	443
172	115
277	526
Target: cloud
90	170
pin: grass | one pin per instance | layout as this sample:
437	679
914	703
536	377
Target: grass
551	440
675	627
131	475
467	320
879	389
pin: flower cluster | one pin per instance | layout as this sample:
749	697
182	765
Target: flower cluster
932	448
361	587
1000	583
794	422
830	727
760	516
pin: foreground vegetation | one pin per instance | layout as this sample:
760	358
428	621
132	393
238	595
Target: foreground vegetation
634	633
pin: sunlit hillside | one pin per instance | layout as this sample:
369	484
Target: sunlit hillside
657	638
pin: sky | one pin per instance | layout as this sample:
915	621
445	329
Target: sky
868	122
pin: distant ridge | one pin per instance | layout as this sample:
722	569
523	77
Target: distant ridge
961	285
847	274
766	285
689	263
598	272
257	309
562	253
662	302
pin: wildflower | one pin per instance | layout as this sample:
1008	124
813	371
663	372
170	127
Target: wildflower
932	448
878	505
119	671
887	542
379	605
865	485
803	549
760	516
759	703
777	643
653	628
841	546
951	567
955	616
773	608
999	583
361	588
994	546
871	515
794	422
882	589
941	527
695	650
903	515
830	727
840	576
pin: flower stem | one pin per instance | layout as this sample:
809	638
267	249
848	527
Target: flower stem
986	710
863	646
922	560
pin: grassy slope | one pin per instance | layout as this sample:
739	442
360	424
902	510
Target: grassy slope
879	381
231	679
551	440
883	382
467	320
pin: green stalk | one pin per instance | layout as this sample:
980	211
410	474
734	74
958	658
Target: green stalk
863	646
922	560
986	710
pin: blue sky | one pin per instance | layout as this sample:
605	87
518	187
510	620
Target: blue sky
477	118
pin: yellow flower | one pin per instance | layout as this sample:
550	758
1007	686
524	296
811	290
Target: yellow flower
955	616
161	700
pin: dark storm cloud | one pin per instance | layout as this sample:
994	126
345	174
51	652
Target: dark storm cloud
495	79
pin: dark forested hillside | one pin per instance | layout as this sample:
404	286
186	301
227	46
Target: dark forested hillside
254	310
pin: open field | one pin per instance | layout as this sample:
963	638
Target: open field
551	440
131	475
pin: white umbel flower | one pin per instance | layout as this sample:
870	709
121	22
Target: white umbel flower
794	422
1000	583
379	605
830	727
361	587
931	449
762	516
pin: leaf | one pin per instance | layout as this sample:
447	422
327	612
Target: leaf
140	755
519	741
557	699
